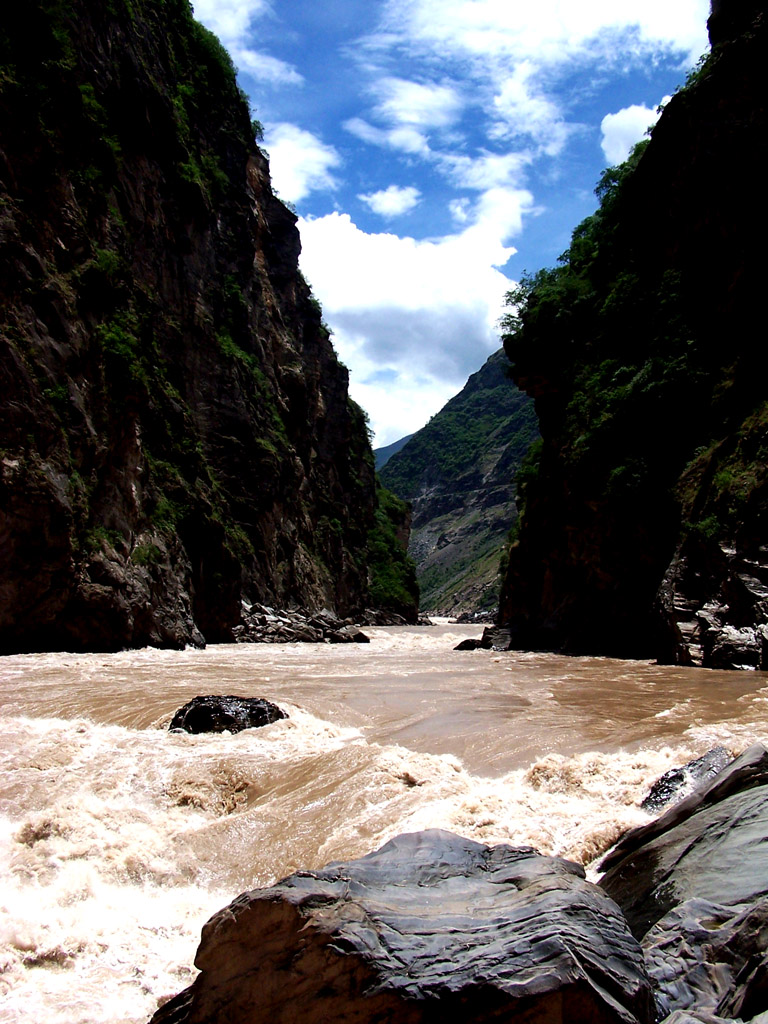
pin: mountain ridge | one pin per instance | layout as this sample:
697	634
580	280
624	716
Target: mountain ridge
458	473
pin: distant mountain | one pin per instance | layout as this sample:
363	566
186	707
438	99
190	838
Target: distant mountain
383	455
458	472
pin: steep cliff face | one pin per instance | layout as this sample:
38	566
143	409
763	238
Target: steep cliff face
644	520
459	474
176	432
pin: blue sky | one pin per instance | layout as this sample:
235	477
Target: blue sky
435	149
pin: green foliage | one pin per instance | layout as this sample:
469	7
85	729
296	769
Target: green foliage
118	337
146	555
528	471
99	536
106	264
168	513
263	389
393	585
488	414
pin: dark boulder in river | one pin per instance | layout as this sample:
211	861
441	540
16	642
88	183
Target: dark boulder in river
215	713
678	782
431	927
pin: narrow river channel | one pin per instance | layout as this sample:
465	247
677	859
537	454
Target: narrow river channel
118	840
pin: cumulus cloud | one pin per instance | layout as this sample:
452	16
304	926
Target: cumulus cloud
515	54
423	312
425	106
392	201
300	162
548	32
232	21
624	128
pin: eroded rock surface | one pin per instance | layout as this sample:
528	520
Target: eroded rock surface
431	927
694	887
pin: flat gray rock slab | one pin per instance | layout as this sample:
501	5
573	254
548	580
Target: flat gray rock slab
430	928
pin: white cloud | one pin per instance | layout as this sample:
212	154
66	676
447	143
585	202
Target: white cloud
414	318
623	129
459	209
229	19
548	32
410	103
487	170
392	201
522	110
264	68
406	138
232	21
300	163
516	55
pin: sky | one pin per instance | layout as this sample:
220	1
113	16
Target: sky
436	149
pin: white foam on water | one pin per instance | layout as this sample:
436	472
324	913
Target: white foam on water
103	897
117	844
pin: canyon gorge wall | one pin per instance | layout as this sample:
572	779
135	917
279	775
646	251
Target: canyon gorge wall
643	525
176	431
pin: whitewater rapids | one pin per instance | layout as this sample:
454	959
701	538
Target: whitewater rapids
118	839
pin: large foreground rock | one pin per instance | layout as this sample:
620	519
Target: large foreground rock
429	928
711	845
694	887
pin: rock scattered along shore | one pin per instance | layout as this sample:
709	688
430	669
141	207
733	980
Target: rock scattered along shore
260	624
494	638
431	927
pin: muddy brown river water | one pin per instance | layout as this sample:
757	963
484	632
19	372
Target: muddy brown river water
118	840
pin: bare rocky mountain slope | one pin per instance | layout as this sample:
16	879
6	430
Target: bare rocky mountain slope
459	474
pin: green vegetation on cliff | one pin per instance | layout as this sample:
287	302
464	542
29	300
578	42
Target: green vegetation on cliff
393	584
176	432
458	472
639	348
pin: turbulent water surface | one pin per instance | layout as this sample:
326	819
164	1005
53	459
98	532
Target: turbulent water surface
118	839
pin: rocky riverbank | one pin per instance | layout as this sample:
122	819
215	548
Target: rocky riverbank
437	927
261	624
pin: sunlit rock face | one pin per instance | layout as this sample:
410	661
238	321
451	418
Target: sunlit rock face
643	526
176	433
431	927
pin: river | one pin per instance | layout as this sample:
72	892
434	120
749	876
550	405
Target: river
118	839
